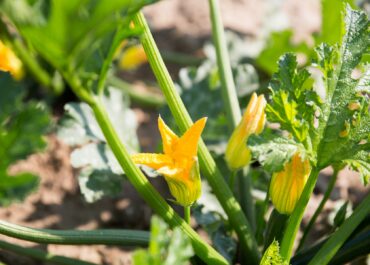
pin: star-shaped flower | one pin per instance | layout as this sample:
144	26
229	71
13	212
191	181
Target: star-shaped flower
179	163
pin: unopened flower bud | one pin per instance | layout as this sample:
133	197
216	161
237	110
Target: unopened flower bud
237	153
287	185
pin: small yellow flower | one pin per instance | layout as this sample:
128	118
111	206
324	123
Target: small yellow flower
9	62
237	153
179	163
287	185
132	58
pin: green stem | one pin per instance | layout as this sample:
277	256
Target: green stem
224	67
207	164
297	215
145	99
246	198
76	237
232	179
356	246
42	255
187	214
231	100
339	237
147	191
319	208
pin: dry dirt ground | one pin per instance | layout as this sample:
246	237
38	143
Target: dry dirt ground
58	204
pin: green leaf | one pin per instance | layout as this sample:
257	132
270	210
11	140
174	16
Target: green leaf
77	37
165	247
344	123
361	164
210	216
273	151
22	126
96	184
272	255
179	249
100	175
341	215
332	25
78	125
293	100
16	188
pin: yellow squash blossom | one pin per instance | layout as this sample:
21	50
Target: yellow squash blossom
287	185
9	62
132	58
179	163
237	153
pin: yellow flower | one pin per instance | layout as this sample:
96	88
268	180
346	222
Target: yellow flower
132	58
179	163
287	185
237	153
9	62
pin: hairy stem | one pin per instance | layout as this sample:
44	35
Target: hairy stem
297	215
339	237
224	67
42	255
207	164
232	179
319	208
76	237
187	214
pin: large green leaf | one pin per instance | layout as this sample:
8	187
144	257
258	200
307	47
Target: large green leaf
100	173
22	126
293	100
273	151
77	37
332	129
344	123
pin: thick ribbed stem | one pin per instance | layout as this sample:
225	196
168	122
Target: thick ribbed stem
297	215
147	191
319	208
76	237
207	164
339	237
42	255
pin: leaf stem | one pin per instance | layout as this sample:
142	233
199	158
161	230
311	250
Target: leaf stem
246	198
42	255
145	99
76	237
147	191
330	248
297	215
224	67
187	214
207	164
319	208
232	179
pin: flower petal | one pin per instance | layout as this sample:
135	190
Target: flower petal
187	146
154	161
170	172
169	138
